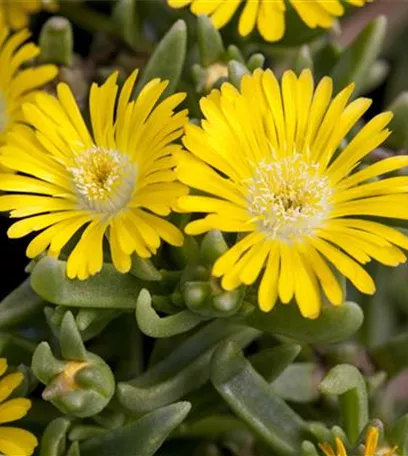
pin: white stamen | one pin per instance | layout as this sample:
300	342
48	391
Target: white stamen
104	179
288	197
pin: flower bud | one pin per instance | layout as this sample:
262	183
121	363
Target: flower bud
81	384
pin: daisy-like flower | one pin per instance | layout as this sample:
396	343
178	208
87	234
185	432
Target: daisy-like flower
370	447
117	181
268	159
16	13
268	15
13	441
17	85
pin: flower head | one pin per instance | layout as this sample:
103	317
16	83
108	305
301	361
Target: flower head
16	13
13	441
267	15
268	157
117	181
17	85
370	447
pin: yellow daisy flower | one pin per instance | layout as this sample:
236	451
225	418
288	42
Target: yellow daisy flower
268	15
17	85
13	441
117	181
370	448
282	185
16	13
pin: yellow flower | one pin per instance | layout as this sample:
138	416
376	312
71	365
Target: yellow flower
13	441
16	13
112	182
370	448
268	15
282	185
17	85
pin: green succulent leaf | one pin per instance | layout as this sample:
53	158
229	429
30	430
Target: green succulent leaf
209	41
142	437
357	59
151	324
399	434
334	323
392	357
251	398
167	60
184	370
53	441
109	289
345	381
19	305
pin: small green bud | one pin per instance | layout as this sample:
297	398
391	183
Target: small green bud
206	298
56	41
82	383
196	294
82	388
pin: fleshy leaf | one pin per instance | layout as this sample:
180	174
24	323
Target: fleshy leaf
142	437
251	398
334	323
345	381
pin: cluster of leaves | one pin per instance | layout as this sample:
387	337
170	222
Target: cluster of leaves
162	360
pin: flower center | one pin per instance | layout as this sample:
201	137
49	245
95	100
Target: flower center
104	179
288	197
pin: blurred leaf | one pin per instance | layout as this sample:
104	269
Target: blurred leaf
167	60
357	59
57	42
235	72
209	41
250	397
376	76
19	305
392	357
302	60
308	449
124	17
272	362
298	382
397	81
16	349
108	289
346	382
399	124
325	58
334	323
399	434
142	437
